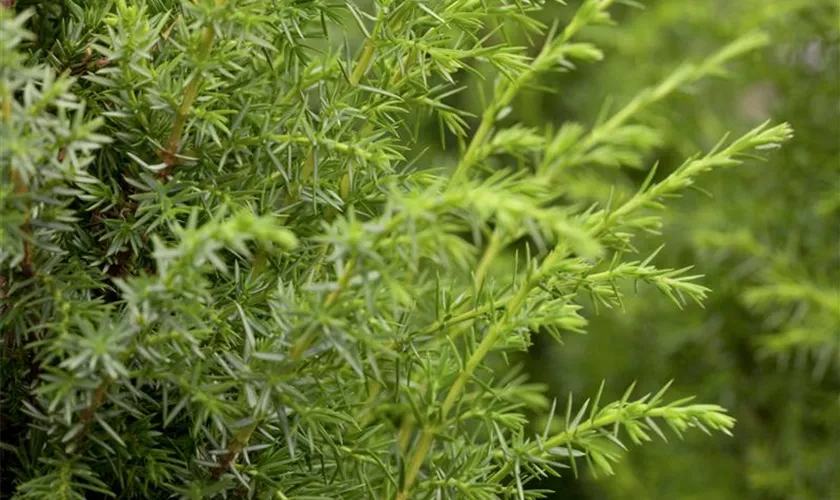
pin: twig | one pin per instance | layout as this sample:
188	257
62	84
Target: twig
173	145
96	401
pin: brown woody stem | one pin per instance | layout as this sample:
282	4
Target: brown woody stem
233	449
96	401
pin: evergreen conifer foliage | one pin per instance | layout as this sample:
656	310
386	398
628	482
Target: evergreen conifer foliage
228	270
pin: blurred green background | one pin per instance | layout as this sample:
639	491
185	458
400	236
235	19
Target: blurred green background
765	235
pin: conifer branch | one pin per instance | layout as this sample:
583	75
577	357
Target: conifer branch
20	188
173	144
636	417
553	51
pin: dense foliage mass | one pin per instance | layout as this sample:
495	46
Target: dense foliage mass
767	342
233	266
